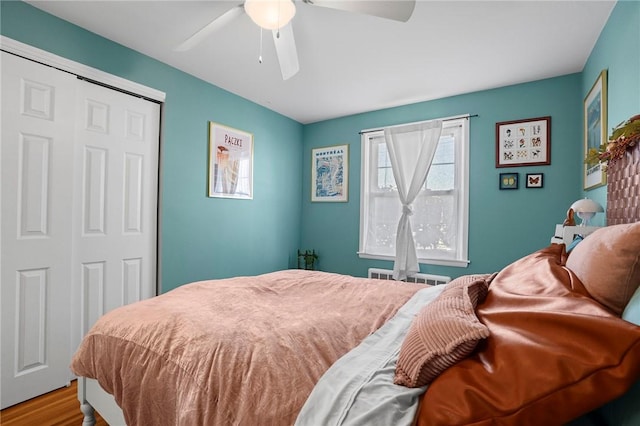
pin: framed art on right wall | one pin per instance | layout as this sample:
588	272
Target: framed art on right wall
330	173
595	130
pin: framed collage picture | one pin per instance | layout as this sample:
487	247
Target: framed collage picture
330	173
523	142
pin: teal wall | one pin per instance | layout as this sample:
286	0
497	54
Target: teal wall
201	237
618	51
213	238
503	225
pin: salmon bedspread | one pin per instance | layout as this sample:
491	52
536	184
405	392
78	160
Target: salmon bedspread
237	351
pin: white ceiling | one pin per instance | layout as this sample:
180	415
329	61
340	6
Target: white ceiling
351	63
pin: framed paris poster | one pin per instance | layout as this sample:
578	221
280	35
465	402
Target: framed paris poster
230	162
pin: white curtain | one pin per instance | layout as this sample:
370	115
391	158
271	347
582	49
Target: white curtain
411	149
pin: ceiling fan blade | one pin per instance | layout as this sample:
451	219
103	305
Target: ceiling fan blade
212	26
398	10
286	51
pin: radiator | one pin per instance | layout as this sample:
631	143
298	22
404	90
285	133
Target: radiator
386	274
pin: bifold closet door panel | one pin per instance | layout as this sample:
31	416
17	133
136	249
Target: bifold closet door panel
38	125
117	156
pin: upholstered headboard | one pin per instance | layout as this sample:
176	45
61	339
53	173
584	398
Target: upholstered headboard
623	188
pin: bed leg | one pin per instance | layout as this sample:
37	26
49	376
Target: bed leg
89	414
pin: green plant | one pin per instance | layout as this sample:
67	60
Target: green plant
623	137
307	258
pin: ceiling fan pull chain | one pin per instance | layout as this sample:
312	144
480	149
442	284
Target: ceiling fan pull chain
260	53
279	4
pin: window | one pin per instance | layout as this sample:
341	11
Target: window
440	212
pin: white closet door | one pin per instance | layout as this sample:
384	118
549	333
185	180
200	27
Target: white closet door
38	116
78	216
116	155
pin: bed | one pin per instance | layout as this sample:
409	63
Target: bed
550	339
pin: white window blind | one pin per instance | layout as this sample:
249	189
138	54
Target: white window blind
440	212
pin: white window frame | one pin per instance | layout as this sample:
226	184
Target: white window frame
462	180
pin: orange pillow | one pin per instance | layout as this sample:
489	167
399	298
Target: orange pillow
443	333
553	354
608	264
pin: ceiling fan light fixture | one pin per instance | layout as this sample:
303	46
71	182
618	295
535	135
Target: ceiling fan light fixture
270	14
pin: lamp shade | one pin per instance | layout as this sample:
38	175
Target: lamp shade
586	209
270	14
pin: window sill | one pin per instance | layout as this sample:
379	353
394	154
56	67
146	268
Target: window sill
440	262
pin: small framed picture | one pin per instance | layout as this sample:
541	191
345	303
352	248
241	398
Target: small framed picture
535	180
508	180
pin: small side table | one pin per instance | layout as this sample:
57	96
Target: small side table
566	234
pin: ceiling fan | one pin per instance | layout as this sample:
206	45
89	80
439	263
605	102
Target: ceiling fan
276	15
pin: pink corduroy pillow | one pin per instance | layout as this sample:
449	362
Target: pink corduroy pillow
607	263
443	333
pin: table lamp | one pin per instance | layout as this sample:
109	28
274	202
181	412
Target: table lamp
586	209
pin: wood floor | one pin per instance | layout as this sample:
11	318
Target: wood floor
58	408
